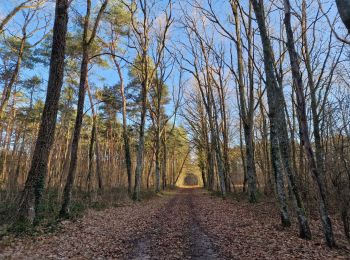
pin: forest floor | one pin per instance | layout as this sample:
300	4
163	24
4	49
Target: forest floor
182	224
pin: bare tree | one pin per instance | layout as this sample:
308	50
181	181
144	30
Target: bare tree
304	131
145	66
86	44
280	149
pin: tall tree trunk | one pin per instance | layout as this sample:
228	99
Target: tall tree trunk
34	186
279	180
313	94
212	112
150	167
94	143
165	160
127	152
217	145
86	43
243	156
203	171
224	131
278	126
304	131
208	150
246	116
67	193
157	159
141	143
91	157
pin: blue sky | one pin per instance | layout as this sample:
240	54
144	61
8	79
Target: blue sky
222	9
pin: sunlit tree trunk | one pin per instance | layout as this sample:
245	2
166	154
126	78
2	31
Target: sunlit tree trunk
126	138
245	114
86	43
304	130
34	186
93	143
141	141
278	126
165	160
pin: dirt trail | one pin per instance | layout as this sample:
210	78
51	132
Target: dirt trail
175	233
188	224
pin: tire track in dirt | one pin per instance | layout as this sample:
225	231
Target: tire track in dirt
175	233
200	245
161	238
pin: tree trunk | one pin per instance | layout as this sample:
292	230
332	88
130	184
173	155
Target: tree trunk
94	142
86	43
34	186
141	143
164	166
125	127
244	114
344	11
150	167
277	118
157	159
67	193
91	157
279	180
311	83
304	131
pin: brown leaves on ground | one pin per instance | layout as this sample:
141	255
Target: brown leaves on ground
252	231
187	225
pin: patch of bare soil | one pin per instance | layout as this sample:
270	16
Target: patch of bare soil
187	225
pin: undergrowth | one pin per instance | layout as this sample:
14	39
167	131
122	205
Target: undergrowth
47	217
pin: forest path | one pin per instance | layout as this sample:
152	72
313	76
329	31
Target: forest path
175	232
183	224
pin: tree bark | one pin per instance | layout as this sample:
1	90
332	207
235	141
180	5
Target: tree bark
141	143
127	152
94	143
278	126
34	185
86	43
247	116
304	131
344	11
165	160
